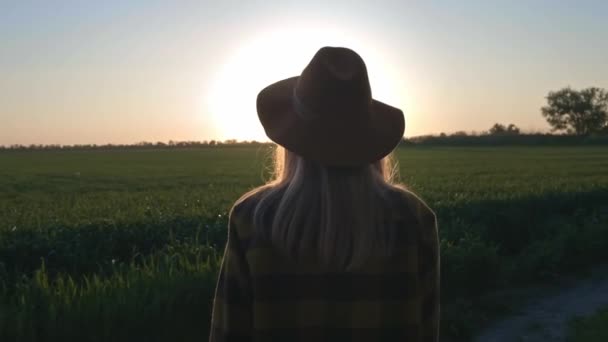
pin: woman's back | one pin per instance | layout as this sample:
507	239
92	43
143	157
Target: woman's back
331	249
265	295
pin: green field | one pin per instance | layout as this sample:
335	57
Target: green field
125	244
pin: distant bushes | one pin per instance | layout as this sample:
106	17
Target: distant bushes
143	145
510	134
496	136
539	139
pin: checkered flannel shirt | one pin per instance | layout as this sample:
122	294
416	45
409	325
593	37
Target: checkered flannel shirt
262	295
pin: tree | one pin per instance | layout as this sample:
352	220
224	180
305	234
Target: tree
512	129
577	112
500	129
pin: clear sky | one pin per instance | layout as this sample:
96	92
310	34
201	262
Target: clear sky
129	71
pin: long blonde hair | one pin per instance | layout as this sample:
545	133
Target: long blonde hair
337	215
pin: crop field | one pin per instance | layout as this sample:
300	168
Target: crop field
125	245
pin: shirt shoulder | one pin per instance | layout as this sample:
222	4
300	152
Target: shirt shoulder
242	213
408	204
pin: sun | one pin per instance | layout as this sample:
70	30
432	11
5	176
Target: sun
273	55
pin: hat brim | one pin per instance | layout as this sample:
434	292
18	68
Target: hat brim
342	143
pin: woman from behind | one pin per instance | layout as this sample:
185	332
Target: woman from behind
332	249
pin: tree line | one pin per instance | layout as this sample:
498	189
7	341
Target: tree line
575	116
139	145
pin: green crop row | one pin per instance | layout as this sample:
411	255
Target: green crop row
165	296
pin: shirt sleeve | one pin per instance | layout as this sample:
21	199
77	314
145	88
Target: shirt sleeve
428	275
231	318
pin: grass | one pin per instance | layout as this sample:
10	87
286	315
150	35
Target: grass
590	329
164	296
508	216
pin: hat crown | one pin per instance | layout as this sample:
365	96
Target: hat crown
335	78
342	63
327	114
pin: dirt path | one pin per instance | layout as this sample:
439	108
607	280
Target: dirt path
546	319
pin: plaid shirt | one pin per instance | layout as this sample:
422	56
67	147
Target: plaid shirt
264	296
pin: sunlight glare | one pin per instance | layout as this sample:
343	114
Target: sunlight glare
275	55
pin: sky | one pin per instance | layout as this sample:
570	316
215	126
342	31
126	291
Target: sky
95	72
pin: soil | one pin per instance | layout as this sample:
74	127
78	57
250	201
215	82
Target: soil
546	318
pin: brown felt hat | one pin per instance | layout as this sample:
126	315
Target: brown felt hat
327	113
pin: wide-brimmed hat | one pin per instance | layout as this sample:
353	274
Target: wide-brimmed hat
327	114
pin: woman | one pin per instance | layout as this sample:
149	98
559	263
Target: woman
331	249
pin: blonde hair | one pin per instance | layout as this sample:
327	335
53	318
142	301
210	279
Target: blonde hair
339	216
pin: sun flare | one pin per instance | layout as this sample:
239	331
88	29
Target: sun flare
275	55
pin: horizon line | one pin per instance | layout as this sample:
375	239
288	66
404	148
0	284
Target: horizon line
254	141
